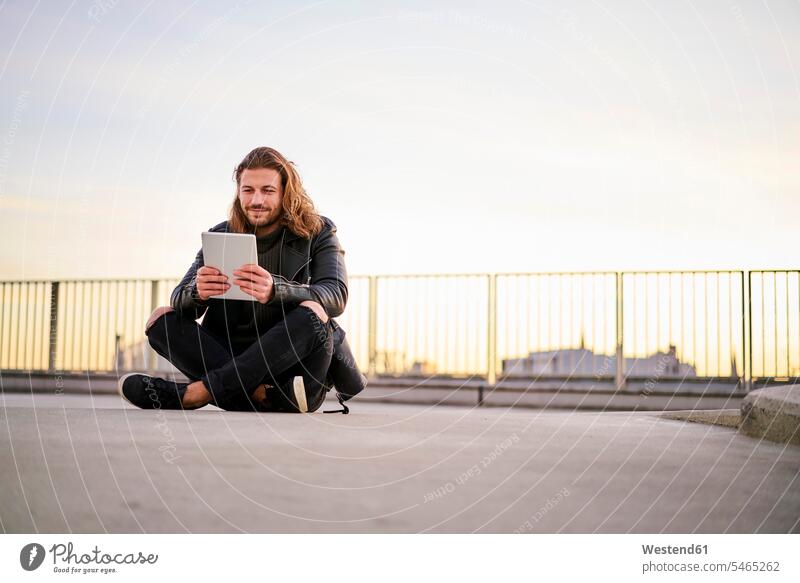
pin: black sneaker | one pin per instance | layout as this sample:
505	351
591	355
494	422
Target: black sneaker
148	392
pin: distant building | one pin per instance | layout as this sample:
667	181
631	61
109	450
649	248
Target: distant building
422	367
584	362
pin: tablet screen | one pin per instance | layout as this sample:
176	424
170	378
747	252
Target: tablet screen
226	252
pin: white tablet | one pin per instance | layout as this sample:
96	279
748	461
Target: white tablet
226	252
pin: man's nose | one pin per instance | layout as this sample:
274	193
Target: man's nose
258	199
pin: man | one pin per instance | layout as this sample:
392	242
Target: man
281	352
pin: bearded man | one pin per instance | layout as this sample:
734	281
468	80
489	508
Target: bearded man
280	352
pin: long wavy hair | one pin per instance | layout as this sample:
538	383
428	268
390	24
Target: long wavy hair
299	214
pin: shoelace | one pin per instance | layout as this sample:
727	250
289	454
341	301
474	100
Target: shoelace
167	390
344	410
160	383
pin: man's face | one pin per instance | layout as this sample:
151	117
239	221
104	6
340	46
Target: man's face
261	196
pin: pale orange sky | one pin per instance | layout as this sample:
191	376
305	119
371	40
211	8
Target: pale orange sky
442	139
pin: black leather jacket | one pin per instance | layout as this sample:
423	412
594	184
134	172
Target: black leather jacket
319	262
324	278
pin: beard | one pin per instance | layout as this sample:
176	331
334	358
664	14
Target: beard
262	219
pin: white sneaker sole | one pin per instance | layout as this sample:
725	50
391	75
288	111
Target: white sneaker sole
119	386
299	388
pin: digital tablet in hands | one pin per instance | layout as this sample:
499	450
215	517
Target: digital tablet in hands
227	252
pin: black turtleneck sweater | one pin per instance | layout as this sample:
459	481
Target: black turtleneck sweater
256	318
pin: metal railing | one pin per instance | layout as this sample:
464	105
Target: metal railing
554	324
699	313
75	325
774	316
727	325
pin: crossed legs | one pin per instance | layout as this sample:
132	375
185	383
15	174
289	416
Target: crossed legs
246	377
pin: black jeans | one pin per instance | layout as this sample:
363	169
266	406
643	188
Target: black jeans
299	345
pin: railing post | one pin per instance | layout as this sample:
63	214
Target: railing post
491	368
153	305
118	364
2	322
619	377
53	337
747	320
372	325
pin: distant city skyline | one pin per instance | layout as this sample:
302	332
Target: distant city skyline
584	362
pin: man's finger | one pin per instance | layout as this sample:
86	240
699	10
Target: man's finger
250	285
251	276
246	280
258	294
251	268
215	278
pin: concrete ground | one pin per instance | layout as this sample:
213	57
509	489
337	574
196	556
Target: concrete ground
82	463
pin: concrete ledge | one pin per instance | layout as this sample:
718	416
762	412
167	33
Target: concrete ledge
706	387
548	398
438	391
772	414
723	417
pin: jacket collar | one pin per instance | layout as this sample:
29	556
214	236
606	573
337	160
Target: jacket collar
290	236
287	236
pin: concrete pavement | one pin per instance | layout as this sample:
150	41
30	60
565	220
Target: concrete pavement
78	463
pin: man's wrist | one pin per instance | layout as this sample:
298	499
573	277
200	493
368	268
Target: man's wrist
195	294
273	291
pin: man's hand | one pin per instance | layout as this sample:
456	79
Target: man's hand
255	280
211	282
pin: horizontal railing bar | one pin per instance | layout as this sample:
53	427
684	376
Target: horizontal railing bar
109	280
420	275
518	273
677	272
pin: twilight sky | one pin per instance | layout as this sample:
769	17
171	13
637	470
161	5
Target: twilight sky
439	136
